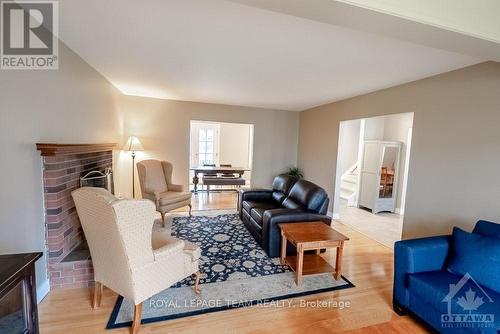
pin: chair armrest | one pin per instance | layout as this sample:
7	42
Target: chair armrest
157	200
175	187
176	246
149	196
416	256
157	217
272	218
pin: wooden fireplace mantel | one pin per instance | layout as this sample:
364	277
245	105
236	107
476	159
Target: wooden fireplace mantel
47	150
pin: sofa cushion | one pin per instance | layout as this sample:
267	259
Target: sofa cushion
307	195
487	228
248	205
278	196
477	255
290	203
257	214
281	187
170	197
283	183
433	288
254	228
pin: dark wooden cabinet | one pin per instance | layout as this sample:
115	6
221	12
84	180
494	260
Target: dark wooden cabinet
18	307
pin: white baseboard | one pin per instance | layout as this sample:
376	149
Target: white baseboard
333	215
400	211
42	291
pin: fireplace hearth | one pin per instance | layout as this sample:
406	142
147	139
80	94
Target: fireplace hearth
69	262
79	253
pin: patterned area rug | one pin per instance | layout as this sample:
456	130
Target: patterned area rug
236	272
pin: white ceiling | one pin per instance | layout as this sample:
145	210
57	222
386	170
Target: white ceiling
224	52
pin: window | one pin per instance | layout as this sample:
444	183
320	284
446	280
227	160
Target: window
206	147
204	143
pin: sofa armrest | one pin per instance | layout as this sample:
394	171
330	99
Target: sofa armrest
416	256
175	187
272	218
257	195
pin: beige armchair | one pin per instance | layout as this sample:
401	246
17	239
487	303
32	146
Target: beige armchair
155	178
128	256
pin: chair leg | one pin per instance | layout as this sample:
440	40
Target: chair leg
96	303
137	318
190	208
162	218
197	282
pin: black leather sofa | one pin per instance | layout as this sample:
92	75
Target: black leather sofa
290	200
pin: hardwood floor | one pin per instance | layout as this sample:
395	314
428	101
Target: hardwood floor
215	201
366	263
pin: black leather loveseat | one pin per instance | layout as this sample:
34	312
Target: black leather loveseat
290	200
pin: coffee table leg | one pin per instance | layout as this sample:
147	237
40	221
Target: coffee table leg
283	248
338	262
300	262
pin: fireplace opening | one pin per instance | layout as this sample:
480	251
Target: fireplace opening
100	179
94	178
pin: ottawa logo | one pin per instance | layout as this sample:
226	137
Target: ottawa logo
466	305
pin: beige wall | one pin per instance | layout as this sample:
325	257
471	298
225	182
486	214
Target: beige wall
351	132
74	104
163	128
455	157
234	146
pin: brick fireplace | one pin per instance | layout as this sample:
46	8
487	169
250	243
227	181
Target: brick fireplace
69	263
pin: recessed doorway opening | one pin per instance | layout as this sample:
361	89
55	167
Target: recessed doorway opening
221	156
372	175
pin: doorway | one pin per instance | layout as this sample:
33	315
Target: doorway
372	174
221	144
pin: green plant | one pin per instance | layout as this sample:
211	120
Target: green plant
295	172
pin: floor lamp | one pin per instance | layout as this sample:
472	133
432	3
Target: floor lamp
133	145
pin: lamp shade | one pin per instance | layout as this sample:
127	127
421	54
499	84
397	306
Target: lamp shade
133	144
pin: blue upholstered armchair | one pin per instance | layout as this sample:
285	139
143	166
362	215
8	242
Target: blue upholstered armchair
452	283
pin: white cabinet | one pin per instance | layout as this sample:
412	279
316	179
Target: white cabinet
379	175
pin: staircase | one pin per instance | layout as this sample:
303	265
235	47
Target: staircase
349	186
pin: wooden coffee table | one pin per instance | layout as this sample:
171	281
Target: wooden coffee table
311	236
